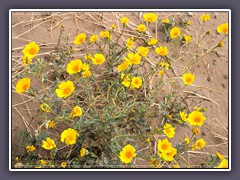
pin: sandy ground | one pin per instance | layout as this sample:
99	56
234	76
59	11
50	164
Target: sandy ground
211	82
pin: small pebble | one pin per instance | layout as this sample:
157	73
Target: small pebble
220	54
190	14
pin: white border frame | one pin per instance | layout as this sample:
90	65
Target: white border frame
119	10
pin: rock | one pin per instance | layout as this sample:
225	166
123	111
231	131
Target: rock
46	13
208	78
225	76
190	14
214	61
215	15
219	54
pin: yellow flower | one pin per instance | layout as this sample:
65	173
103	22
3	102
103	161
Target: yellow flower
133	58
106	34
186	140
123	66
162	50
165	21
83	152
85	67
130	43
74	66
175	166
168	156
23	85
143	51
93	38
221	44
141	28
65	89
183	116
63	164
223	28
127	153
196	108
86	73
125	20
45	107
69	136
26	60
136	82
114	26
196	118
152	41
162	64
49	144
122	75
150	17
31	50
30	148
223	164
166	65
147	140
51	124
169	131
164	146
200	144
187	38
219	156
43	162
175	32
188	23
76	112
98	59
88	57
126	81
188	78
154	163
80	38
195	131
161	72
205	17
180	121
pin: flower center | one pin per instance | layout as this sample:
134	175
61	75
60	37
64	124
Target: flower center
81	40
128	154
199	144
25	87
197	119
150	19
170	153
67	90
136	82
134	60
164	146
225	30
168	130
49	144
76	68
175	34
32	51
189	79
98	60
162	52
